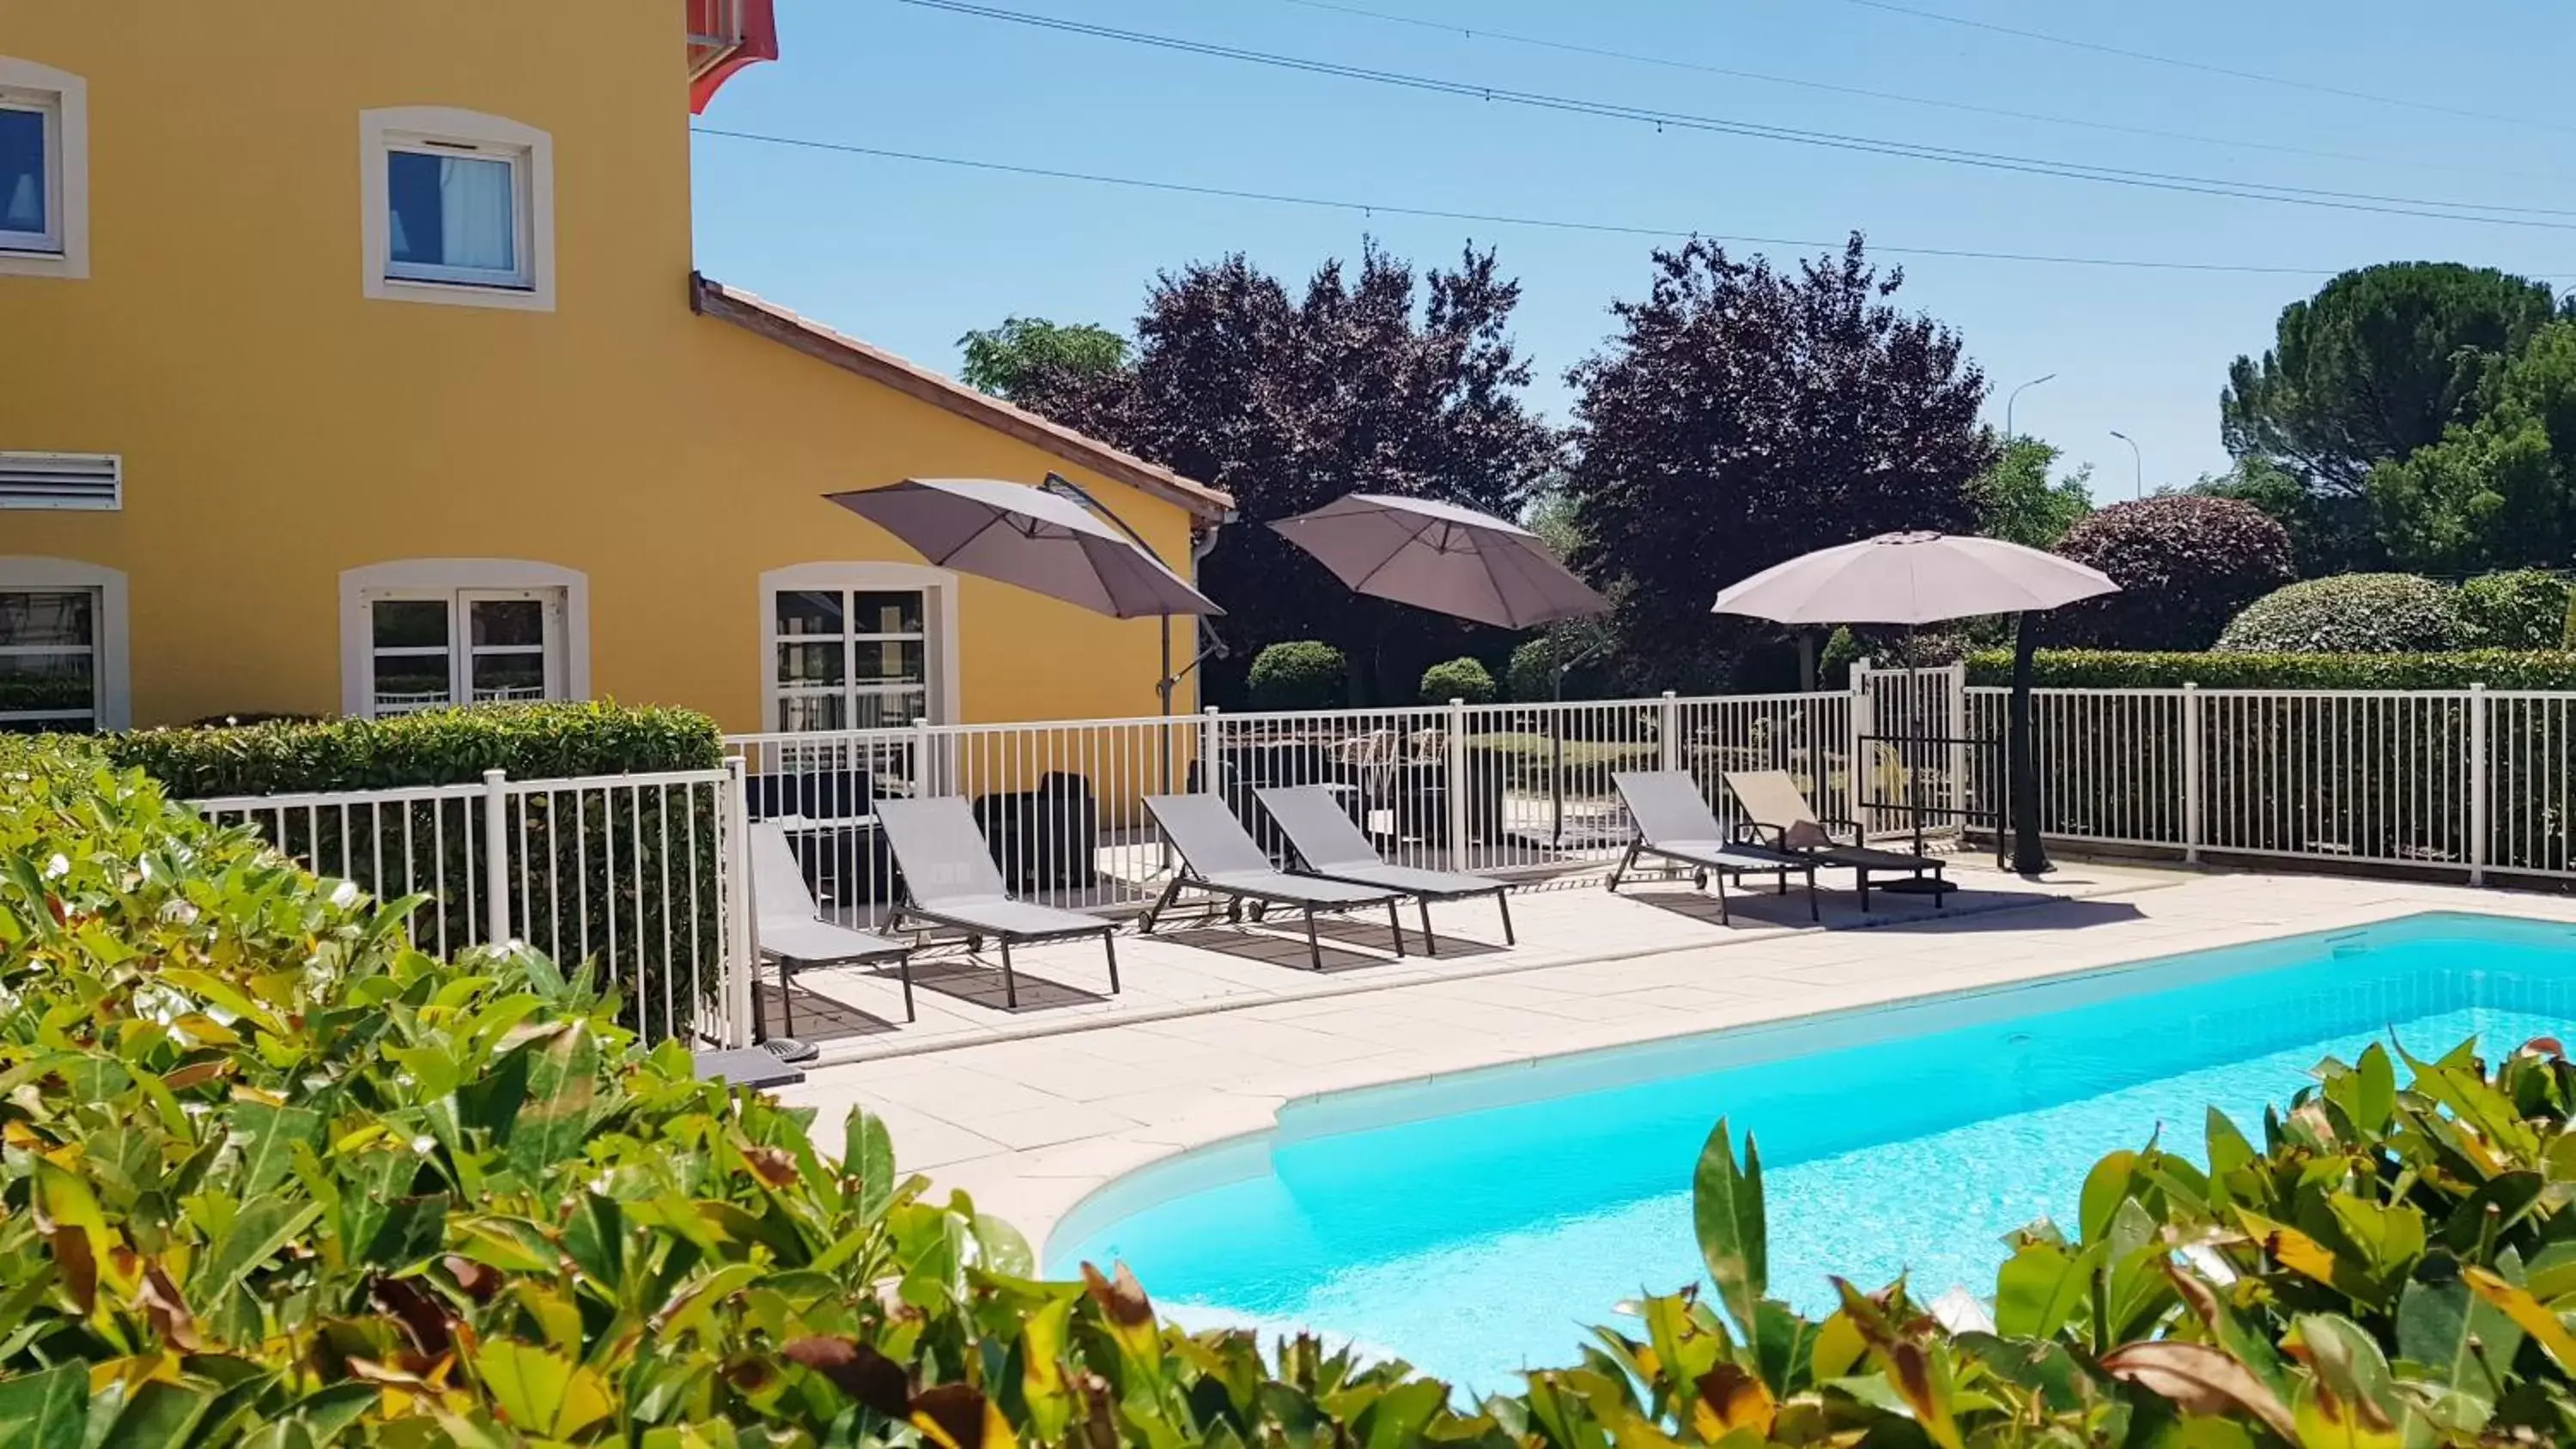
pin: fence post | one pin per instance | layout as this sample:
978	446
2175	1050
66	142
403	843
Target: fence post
1668	732
1455	796
925	764
496	857
2191	805
1211	752
1861	728
2477	784
739	961
1956	684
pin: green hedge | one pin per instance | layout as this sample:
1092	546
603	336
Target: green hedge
276	1178
436	747
2123	669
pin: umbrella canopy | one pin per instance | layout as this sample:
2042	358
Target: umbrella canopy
1036	540
1441	557
1912	578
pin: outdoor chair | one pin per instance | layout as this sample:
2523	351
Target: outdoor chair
1674	823
1778	809
949	879
1328	843
787	928
1220	857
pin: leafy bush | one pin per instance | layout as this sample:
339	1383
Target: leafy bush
274	1177
435	747
1298	674
2185	563
2125	669
1465	679
2348	614
2521	609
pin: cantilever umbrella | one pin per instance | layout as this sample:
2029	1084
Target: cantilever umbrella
1441	557
1924	578
1031	538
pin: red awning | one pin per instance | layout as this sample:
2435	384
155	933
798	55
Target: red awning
725	36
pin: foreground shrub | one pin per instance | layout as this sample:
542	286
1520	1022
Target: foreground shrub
2348	614
2185	563
1464	679
2522	609
273	1177
2135	669
1298	674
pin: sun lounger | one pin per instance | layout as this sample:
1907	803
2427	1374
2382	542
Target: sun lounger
789	930
1779	811
1218	856
1330	845
949	879
1674	823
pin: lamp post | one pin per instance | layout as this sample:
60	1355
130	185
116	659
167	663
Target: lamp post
2015	396
2137	460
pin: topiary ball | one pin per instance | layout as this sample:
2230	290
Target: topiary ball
2349	614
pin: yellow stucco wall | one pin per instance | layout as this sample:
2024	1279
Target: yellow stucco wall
278	427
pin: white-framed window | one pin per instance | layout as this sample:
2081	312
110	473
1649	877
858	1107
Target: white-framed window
858	646
421	634
44	171
430	649
62	647
459	208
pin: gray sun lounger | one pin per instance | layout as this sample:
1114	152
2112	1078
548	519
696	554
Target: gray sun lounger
1329	844
1674	823
1778	808
789	930
1220	857
949	879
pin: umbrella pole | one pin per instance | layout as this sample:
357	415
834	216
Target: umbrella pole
2030	857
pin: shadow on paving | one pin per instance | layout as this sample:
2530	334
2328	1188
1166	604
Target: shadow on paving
967	979
1969	909
816	1017
1283	943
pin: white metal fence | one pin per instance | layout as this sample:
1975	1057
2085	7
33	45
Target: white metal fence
2473	780
636	876
644	877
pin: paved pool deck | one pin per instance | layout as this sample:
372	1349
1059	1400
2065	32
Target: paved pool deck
1031	1111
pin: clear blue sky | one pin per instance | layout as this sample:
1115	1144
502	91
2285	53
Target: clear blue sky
911	255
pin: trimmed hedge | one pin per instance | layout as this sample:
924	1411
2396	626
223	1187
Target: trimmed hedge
435	747
2520	609
2139	669
2349	614
2184	563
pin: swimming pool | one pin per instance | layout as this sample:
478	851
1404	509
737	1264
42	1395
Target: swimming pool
1474	1224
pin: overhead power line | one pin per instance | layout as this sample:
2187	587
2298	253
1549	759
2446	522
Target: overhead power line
2375	204
1667	62
1487	218
2206	68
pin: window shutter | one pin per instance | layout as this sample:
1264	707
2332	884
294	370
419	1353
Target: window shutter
94	482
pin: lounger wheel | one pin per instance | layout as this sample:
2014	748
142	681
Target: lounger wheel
1699	879
974	942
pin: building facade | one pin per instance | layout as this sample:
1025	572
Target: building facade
382	379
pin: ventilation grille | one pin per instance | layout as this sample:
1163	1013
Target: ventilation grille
94	482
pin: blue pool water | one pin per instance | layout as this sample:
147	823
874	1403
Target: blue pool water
1474	1224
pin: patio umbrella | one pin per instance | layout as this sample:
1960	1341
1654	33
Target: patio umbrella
1029	537
1923	578
1441	557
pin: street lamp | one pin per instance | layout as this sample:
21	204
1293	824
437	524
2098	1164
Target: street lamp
2137	459
2015	396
